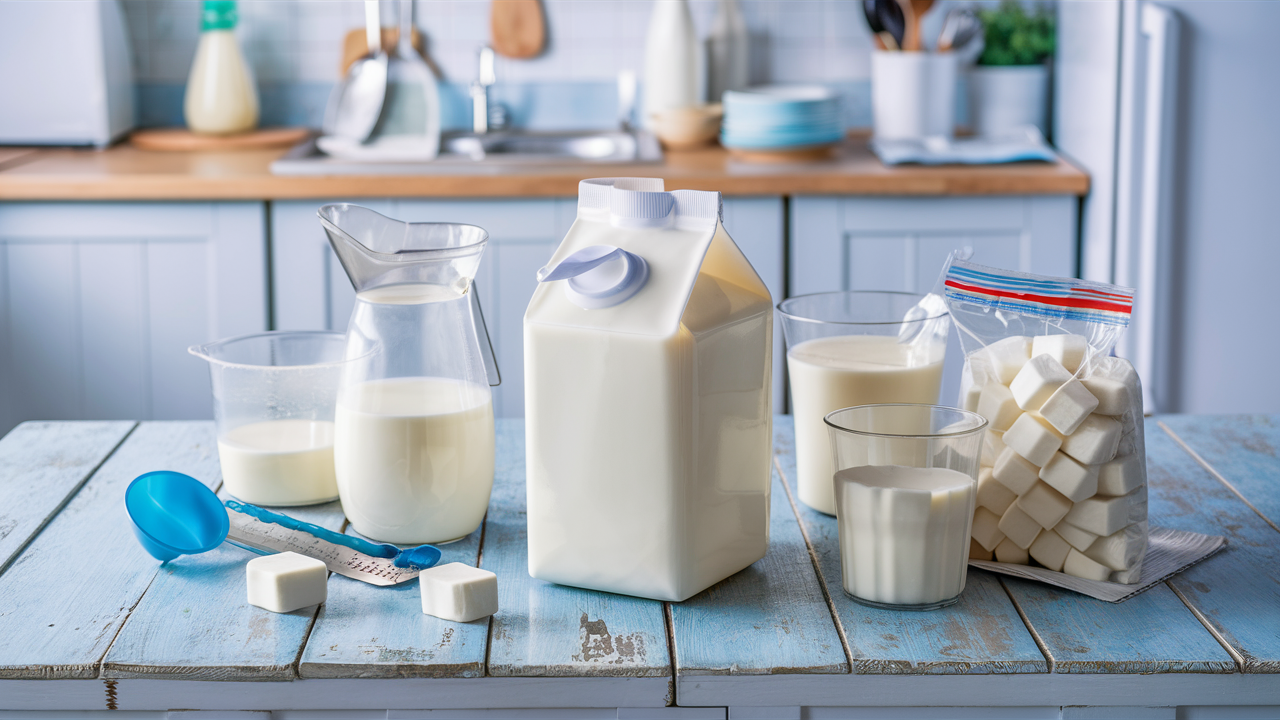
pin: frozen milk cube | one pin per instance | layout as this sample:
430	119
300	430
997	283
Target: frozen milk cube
1015	472
1128	577
1019	527
1122	549
1077	482
1102	515
997	405
1077	538
986	528
1121	476
1068	406
1095	441
992	446
1044	505
1008	552
971	396
1080	566
1112	395
286	581
1050	550
1037	380
1068	350
458	592
977	552
1006	357
992	494
1033	438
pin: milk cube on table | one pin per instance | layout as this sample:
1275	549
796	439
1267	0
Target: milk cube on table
1044	505
1068	350
1050	550
1103	515
1032	438
1077	538
977	552
992	494
286	581
997	405
992	446
1018	526
1080	566
458	592
1112	395
1068	406
1095	441
1006	357
1009	552
986	528
1036	381
1077	482
1015	472
1120	476
1122	549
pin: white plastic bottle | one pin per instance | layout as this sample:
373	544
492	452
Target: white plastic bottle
221	97
727	54
673	63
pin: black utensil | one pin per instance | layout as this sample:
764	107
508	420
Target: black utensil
892	20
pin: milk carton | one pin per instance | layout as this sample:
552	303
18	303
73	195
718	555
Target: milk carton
647	397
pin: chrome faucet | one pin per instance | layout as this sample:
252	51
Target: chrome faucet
486	115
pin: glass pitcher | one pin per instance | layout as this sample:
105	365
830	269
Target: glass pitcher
414	442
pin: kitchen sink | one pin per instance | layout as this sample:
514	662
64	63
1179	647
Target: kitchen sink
462	150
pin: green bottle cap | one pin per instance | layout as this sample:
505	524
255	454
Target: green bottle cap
218	15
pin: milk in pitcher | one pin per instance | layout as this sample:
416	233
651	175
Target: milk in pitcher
647	398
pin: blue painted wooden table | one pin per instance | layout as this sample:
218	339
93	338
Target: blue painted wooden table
89	622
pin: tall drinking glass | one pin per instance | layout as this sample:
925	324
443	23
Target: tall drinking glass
905	484
856	348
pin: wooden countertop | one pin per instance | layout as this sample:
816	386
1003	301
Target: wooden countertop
126	173
780	634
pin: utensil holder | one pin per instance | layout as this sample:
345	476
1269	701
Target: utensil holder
913	94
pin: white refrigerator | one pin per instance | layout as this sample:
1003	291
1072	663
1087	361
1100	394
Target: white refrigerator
1172	107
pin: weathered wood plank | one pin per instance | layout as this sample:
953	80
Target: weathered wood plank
65	597
364	631
196	598
1244	449
42	464
980	634
1237	591
543	629
770	618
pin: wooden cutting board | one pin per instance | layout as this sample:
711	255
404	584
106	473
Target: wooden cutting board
183	140
518	27
355	45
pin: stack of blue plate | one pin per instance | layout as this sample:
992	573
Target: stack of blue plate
780	117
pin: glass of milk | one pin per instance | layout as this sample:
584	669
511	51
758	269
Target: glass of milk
856	348
274	396
905	485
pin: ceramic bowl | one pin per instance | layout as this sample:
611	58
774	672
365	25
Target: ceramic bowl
687	127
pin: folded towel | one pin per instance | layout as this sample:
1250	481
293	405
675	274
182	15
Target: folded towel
1025	144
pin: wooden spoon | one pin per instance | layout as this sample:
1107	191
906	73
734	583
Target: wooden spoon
918	9
518	27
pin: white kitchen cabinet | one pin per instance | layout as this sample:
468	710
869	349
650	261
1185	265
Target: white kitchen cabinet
900	243
311	291
100	301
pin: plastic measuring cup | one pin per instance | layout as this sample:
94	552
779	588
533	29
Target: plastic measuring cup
274	395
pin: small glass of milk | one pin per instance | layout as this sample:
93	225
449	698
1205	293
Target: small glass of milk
856	348
905	484
274	396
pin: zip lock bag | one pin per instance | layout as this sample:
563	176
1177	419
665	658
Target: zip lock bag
1063	480
648	412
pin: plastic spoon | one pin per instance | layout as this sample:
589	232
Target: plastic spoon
173	514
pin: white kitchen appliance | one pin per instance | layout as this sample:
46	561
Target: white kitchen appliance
68	73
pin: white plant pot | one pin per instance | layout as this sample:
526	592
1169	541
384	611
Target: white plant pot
1004	98
913	94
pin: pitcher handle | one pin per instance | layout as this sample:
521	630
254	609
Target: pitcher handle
486	347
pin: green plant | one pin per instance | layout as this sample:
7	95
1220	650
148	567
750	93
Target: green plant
1013	37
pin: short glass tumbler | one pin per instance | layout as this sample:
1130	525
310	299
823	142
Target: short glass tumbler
905	485
273	399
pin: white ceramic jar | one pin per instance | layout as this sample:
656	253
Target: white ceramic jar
913	94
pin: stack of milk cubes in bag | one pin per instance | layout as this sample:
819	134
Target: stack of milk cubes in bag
1063	478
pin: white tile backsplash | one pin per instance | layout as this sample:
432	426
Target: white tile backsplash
300	40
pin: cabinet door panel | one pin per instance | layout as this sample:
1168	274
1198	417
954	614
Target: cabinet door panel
44	350
515	280
176	280
878	263
113	305
755	224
